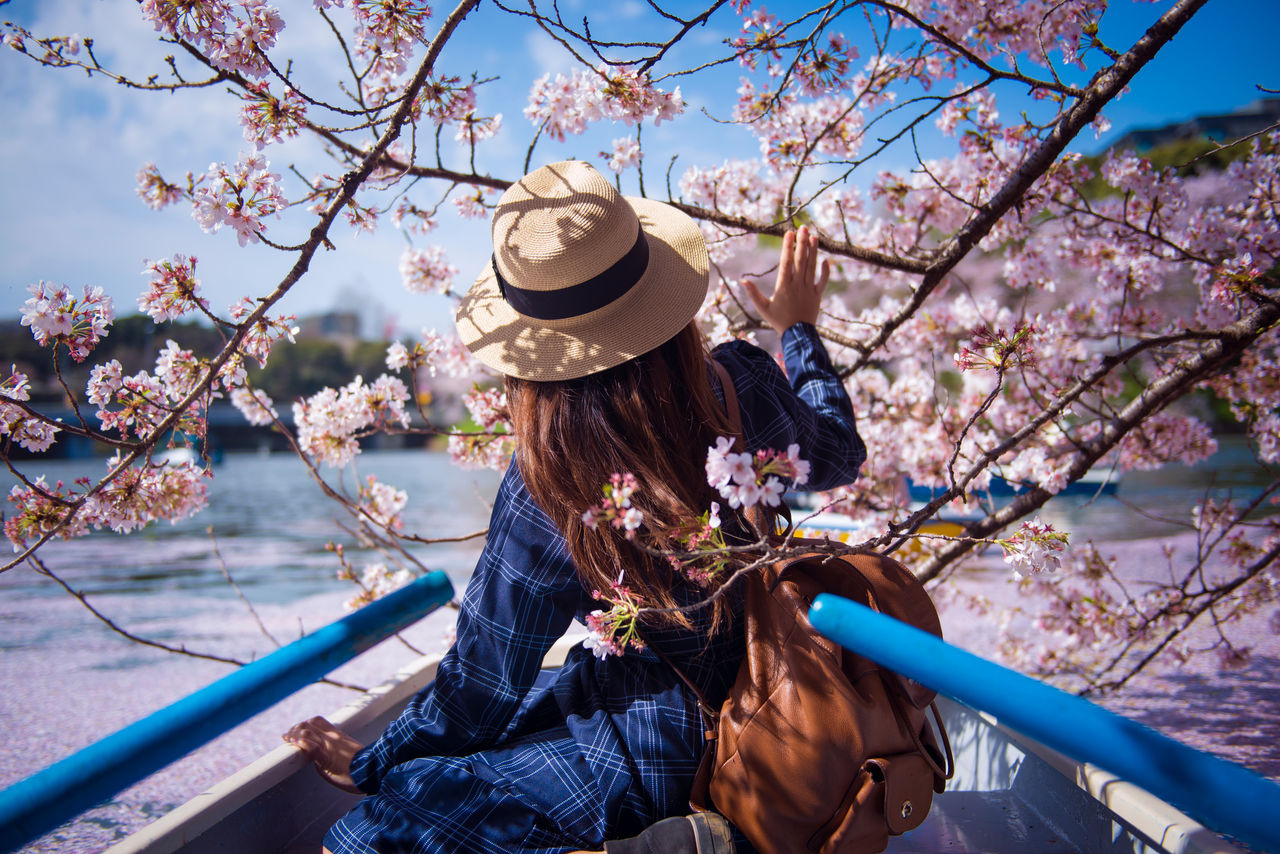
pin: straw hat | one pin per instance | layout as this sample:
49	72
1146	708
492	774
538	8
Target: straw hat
582	278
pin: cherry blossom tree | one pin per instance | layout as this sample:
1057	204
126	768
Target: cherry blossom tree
995	315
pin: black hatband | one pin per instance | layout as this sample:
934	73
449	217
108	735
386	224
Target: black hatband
585	297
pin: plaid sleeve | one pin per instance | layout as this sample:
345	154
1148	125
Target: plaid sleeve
807	406
521	599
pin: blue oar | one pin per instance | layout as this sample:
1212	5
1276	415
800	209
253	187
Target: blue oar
62	791
1219	794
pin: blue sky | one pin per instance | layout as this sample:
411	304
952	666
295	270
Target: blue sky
70	146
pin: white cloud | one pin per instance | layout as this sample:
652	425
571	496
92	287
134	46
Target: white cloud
547	55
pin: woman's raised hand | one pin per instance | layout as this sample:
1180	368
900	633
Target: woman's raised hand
329	748
797	295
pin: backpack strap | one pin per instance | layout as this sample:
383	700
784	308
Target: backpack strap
730	398
710	714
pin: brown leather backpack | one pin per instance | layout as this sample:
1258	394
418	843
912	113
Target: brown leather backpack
818	749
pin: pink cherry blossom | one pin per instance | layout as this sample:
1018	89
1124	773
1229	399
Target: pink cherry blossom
238	196
474	129
446	354
144	493
744	480
171	292
382	503
474	204
266	118
56	317
616	509
411	218
397	356
236	35
34	434
244	43
614	631
488	409
626	154
426	270
39	509
566	105
263	333
155	190
472	451
1036	547
375	580
330	422
255	405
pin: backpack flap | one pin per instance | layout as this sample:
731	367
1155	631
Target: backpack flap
908	789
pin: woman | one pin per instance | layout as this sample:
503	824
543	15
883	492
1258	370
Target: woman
587	308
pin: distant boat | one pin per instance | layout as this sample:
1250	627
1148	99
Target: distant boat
176	457
1102	480
181	455
1009	794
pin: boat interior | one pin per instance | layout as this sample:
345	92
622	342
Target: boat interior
1009	794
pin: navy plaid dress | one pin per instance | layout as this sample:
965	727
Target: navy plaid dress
498	756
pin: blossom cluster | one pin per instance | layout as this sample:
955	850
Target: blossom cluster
616	509
566	104
794	131
331	421
138	495
492	443
426	270
375	580
385	36
255	405
999	349
32	433
474	204
235	36
411	218
481	451
57	317
436	354
473	129
1028	27
136	404
238	197
616	630
382	503
171	293
264	332
155	191
266	118
701	553
446	99
625	155
1036	547
745	480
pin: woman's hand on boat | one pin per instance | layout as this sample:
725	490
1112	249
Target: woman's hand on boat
797	293
329	748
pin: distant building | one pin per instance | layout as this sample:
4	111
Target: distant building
1251	118
334	325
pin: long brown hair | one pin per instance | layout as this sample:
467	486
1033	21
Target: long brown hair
653	416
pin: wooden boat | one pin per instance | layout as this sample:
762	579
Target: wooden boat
1009	794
